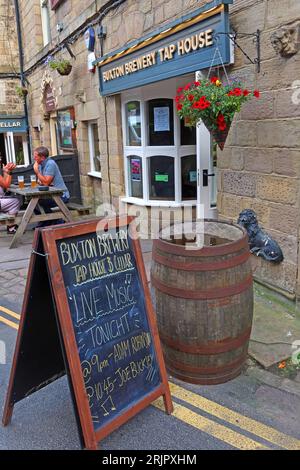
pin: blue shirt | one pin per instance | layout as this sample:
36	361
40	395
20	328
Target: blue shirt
49	168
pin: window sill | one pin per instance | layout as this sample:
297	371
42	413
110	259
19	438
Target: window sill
142	202
95	174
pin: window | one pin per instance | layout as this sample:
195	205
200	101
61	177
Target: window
189	177
133	124
161	174
45	16
161	122
93	137
187	133
16	148
66	129
2	93
135	178
19	151
159	152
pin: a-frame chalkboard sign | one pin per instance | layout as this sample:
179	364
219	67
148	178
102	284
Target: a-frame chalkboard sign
87	312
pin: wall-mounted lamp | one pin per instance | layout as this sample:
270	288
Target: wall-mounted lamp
101	31
59	27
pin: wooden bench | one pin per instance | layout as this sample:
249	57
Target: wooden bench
79	208
7	219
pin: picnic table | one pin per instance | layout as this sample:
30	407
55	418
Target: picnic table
34	195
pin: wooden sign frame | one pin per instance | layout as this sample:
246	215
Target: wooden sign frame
65	330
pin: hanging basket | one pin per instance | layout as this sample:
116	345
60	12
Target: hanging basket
21	91
65	70
218	136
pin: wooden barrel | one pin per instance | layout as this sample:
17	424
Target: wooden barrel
204	302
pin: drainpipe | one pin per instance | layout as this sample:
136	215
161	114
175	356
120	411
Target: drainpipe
22	75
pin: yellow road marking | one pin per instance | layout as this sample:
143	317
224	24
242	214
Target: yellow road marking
9	323
10	312
210	427
255	427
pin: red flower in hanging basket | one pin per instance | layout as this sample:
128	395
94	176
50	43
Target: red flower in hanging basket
213	103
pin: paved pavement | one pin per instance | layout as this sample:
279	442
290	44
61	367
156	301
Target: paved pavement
256	410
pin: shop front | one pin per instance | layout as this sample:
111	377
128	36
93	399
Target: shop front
167	164
13	141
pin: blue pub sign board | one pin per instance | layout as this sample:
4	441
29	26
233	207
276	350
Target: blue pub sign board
12	125
183	46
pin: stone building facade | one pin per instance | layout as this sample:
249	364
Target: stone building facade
9	60
11	105
259	167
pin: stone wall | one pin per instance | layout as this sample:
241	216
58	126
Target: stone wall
260	165
10	103
131	20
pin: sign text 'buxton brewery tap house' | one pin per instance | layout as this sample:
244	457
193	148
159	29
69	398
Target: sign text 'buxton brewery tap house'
184	46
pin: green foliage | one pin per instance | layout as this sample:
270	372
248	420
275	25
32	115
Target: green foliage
61	65
21	91
20	157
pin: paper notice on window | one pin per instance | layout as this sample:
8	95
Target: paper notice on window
161	119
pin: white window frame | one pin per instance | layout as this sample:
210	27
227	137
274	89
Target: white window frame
25	150
10	147
165	89
45	18
53	133
92	150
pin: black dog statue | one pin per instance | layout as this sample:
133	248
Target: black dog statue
260	243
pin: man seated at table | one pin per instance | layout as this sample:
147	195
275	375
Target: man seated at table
48	174
8	204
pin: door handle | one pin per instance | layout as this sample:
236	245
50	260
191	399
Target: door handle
205	176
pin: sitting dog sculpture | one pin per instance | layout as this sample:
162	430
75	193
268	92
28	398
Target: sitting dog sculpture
260	243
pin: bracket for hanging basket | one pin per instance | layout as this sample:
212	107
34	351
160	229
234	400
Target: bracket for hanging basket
256	39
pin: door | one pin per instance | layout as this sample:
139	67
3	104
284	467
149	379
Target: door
206	171
206	175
